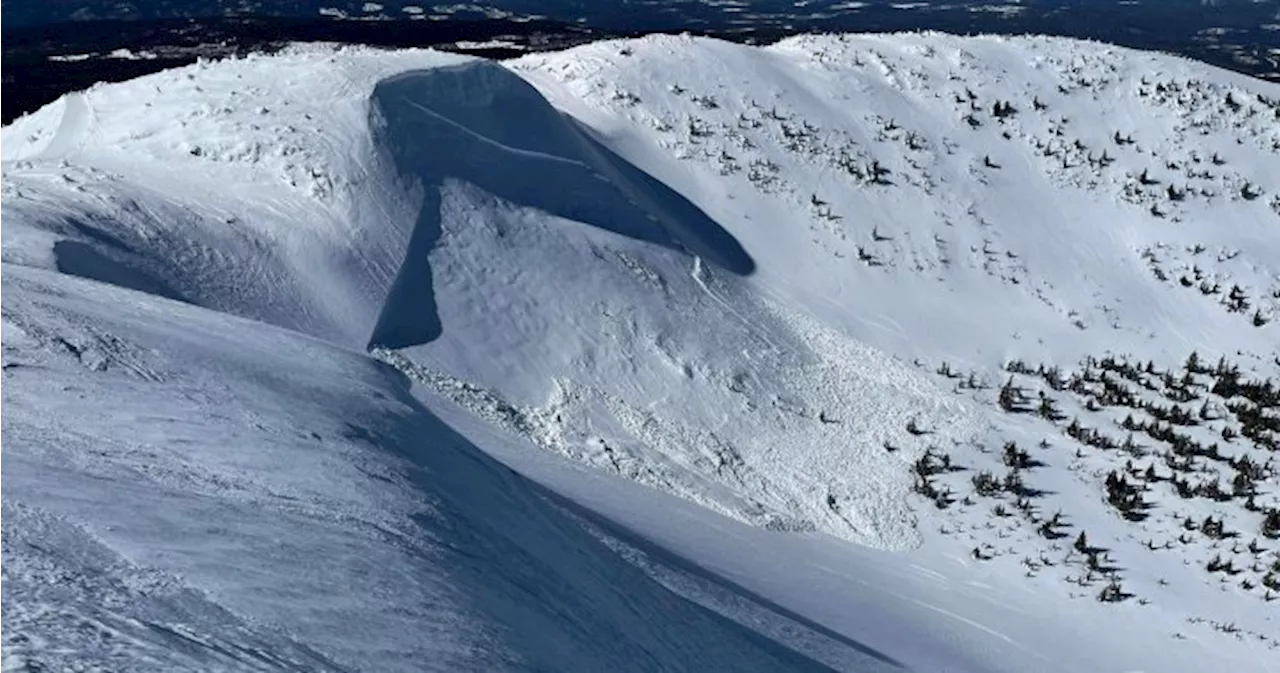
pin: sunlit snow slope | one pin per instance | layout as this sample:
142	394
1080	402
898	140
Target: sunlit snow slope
589	303
731	274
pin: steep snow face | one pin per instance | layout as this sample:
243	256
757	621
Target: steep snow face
460	123
184	490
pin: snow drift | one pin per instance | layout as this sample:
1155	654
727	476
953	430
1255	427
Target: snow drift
481	124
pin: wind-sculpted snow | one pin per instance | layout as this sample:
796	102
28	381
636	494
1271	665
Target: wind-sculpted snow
479	123
259	196
501	271
184	490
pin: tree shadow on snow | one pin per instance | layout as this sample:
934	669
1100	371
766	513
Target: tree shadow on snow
482	124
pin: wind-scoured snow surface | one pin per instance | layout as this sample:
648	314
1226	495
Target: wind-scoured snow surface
286	506
277	331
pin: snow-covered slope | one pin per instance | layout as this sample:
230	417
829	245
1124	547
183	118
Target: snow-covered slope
1058	212
189	490
577	290
782	283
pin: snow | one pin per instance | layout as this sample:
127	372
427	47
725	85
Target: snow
68	58
228	495
698	310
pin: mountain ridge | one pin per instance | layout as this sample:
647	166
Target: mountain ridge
922	215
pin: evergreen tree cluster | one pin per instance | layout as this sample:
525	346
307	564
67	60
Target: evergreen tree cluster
1192	430
1126	497
1172	408
929	465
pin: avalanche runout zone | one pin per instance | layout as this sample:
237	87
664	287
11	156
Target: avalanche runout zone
814	459
769	417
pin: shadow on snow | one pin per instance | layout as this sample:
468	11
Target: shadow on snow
480	123
519	549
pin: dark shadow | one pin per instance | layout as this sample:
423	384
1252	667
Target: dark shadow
86	261
409	313
509	545
481	124
672	560
96	229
